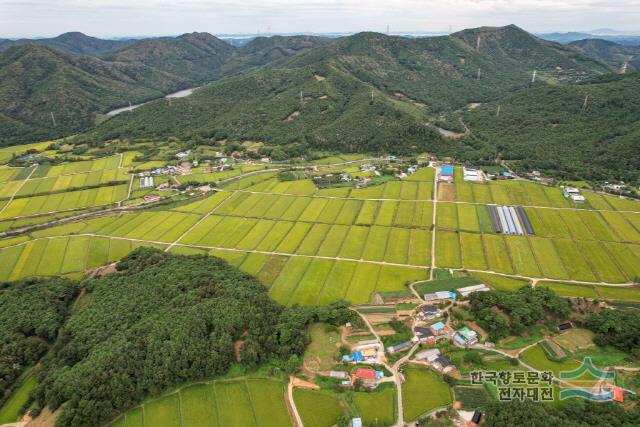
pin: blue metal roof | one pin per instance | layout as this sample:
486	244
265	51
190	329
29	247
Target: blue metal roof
437	326
446	170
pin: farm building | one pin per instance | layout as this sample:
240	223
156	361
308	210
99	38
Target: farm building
355	422
510	220
429	355
423	335
473	175
146	182
151	198
440	296
466	291
427	312
469	336
438	328
564	326
367	376
443	364
355	357
445	174
338	374
400	347
577	198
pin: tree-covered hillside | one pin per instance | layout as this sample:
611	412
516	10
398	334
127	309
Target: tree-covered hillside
36	81
163	320
72	42
31	312
552	129
336	111
620	57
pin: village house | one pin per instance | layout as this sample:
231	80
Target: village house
424	335
400	347
429	355
338	374
368	377
427	312
446	174
443	364
469	336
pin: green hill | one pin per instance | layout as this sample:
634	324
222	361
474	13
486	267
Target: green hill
548	129
72	42
368	92
614	54
36	81
195	57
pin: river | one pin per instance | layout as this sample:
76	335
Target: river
179	94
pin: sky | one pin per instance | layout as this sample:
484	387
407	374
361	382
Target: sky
113	18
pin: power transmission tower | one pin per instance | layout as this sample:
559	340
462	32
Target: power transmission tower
371	95
53	119
533	77
301	98
584	105
478	44
130	107
479	73
387	29
498	112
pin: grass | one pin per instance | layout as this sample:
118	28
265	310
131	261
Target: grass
416	401
317	408
10	411
537	358
376	408
322	350
472	398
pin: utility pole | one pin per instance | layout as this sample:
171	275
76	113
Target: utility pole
533	77
53	119
130	107
301	98
371	95
498	112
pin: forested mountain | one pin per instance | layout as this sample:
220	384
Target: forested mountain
614	54
368	92
589	130
72	42
36	81
163	320
195	57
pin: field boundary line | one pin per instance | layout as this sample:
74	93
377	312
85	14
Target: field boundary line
207	215
24	181
433	224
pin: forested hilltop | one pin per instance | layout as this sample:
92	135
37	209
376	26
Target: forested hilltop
161	320
589	130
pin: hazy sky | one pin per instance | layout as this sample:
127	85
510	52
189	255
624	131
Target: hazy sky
29	18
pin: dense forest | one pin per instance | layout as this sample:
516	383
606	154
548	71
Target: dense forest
574	413
160	321
31	312
620	329
589	131
516	310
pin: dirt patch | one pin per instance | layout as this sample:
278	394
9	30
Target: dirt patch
323	97
473	105
300	383
292	116
319	78
45	419
102	271
446	192
237	349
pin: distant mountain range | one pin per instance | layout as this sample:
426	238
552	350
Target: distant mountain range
367	92
566	38
73	42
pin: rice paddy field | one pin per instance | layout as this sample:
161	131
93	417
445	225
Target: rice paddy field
310	245
242	402
423	392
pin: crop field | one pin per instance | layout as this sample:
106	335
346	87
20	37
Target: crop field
63	201
376	408
317	408
423	391
250	402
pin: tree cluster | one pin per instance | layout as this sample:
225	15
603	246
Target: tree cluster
620	329
31	312
163	320
503	313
